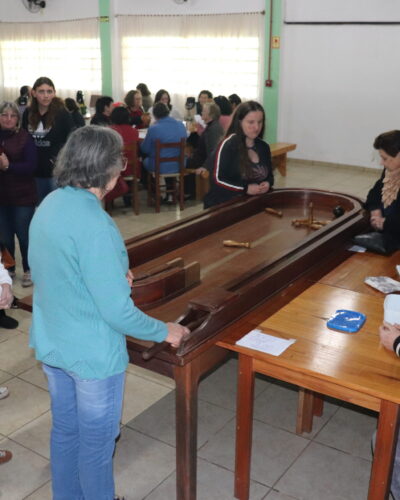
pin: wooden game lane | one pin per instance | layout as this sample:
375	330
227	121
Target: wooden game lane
234	281
350	367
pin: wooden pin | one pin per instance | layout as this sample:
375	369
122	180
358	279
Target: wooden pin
272	211
239	244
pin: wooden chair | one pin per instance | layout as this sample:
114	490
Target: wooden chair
153	178
130	177
131	154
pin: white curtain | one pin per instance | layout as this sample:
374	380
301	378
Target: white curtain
186	54
67	52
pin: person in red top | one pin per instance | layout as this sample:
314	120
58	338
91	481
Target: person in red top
120	122
138	117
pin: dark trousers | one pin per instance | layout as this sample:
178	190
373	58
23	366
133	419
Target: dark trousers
15	221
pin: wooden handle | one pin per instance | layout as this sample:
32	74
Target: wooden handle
272	211
239	244
160	346
153	350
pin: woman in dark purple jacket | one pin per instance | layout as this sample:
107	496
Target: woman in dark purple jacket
18	159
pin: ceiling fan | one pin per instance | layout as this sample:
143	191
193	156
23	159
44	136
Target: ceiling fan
34	5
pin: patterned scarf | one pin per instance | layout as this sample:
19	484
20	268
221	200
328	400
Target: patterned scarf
391	186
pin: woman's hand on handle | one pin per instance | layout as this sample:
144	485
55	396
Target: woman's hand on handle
175	334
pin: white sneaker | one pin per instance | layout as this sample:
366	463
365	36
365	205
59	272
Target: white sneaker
4	392
26	280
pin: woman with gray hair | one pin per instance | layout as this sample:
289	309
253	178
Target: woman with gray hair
209	139
82	311
18	159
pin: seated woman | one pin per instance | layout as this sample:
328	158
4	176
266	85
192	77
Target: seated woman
204	96
242	162
147	100
383	200
226	111
120	123
390	339
208	141
164	97
138	117
76	115
103	111
166	129
235	100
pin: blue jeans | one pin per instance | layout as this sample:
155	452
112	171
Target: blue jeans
15	221
44	186
86	417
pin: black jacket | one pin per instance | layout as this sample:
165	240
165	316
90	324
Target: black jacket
391	213
226	179
49	141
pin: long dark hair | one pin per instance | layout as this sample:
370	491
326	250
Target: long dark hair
55	106
143	89
236	128
160	94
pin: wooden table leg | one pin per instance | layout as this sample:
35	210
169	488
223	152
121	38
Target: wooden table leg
305	411
186	431
187	382
244	427
318	405
385	447
281	163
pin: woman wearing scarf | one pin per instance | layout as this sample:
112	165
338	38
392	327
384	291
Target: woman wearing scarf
383	200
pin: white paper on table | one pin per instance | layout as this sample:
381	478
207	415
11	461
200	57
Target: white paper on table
383	283
260	341
357	248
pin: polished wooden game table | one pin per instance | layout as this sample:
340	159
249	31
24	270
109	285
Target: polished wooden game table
184	273
233	282
351	367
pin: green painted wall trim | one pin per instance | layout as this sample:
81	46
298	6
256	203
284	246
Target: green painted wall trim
105	47
271	94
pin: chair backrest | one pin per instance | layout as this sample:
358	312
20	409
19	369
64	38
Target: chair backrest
131	154
180	158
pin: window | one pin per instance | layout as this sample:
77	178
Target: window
67	52
185	54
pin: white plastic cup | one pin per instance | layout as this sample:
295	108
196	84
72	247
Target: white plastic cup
391	308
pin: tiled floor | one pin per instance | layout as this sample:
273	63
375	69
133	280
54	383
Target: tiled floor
331	463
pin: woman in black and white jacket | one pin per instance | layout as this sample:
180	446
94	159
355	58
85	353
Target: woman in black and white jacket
241	163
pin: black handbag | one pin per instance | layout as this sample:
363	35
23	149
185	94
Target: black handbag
376	242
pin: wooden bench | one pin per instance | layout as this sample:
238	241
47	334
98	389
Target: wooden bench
279	152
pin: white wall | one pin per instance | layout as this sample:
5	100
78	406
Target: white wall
339	84
342	10
56	10
191	7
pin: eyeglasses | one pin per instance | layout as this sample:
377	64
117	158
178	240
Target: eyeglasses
124	160
6	115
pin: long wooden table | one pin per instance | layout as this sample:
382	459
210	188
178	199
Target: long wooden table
350	367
